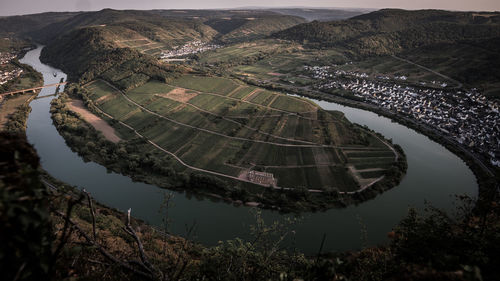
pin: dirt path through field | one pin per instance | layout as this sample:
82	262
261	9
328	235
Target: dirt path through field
99	124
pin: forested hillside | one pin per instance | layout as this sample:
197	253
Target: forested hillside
393	31
245	28
30	25
321	14
169	27
87	53
133	24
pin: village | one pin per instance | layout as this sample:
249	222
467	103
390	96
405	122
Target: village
465	115
190	48
8	71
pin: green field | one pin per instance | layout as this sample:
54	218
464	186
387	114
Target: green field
227	127
245	51
288	66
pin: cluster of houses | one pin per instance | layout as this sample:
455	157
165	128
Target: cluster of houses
190	48
467	116
9	72
324	72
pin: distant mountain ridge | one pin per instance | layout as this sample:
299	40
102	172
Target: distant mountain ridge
227	26
391	31
238	25
321	14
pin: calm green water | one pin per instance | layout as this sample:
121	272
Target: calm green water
434	175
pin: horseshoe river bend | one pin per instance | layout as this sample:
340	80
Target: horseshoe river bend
435	175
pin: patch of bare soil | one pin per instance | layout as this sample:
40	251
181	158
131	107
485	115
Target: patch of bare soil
179	94
99	124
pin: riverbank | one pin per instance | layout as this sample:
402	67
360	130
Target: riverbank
487	177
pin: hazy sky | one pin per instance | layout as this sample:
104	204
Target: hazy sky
17	7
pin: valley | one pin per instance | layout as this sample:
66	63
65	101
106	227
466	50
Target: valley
243	139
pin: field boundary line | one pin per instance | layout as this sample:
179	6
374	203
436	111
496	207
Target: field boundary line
209	131
256	104
238	123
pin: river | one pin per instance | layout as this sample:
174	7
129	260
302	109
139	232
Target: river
434	175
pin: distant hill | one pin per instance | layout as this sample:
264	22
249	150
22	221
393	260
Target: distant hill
238	25
237	29
393	31
27	25
123	25
87	53
169	27
320	14
94	40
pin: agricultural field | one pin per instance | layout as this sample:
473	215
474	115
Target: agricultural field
288	66
227	128
238	53
393	67
144	45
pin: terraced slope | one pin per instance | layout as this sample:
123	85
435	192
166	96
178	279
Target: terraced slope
245	133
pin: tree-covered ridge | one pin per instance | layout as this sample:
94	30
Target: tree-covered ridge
87	53
236	29
170	27
129	24
31	25
393	31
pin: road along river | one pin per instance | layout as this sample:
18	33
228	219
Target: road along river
434	175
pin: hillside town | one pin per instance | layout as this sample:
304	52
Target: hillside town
190	48
465	115
7	70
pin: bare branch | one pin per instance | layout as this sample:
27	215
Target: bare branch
128	228
103	251
91	213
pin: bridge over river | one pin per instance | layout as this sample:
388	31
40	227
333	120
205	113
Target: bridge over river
2	95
